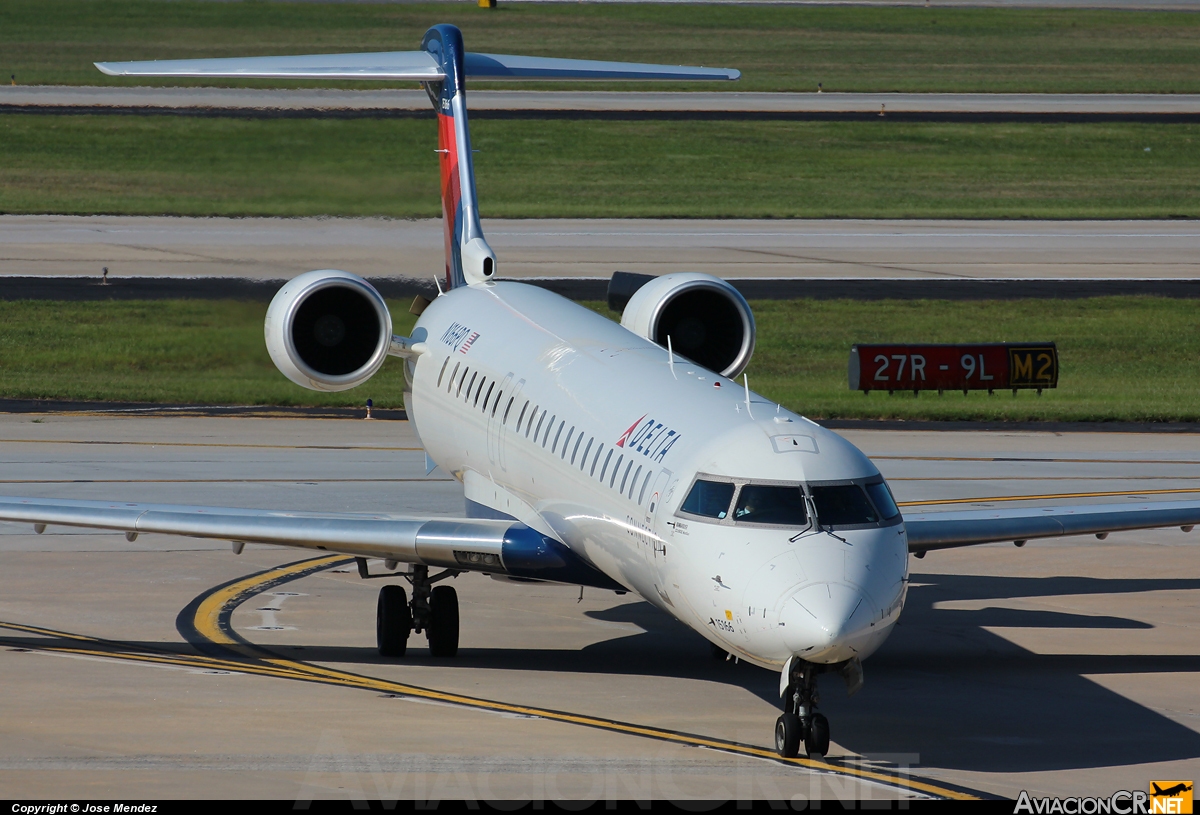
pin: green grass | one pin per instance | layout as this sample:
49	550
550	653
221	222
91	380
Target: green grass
195	166
168	351
1122	359
786	48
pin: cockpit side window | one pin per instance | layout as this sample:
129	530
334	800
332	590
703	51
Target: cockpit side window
842	505
709	499
771	504
881	496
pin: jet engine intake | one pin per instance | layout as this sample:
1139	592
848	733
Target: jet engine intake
707	320
328	330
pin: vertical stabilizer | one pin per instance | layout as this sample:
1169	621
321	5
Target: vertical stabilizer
468	257
441	66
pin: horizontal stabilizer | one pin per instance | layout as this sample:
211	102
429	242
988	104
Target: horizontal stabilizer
504	66
420	66
416	65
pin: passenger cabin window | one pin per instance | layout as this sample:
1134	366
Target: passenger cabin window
771	504
709	499
843	505
442	372
612	481
881	496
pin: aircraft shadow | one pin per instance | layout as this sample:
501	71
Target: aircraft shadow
943	691
958	696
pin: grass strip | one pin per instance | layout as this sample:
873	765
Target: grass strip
219	166
778	48
1122	358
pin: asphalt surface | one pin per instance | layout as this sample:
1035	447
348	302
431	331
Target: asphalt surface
246	99
1065	667
269	249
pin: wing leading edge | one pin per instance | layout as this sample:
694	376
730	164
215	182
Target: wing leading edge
945	530
494	547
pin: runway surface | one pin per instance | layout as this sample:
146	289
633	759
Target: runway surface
274	248
1065	667
71	96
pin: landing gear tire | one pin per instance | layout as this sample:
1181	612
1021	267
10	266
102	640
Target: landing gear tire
443	622
393	621
816	740
788	730
799	700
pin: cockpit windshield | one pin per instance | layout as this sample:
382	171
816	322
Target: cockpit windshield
843	505
709	499
771	504
731	501
881	496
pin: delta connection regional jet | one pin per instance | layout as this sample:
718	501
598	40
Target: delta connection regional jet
623	457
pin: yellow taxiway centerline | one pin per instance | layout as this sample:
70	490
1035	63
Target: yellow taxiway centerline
216	608
211	622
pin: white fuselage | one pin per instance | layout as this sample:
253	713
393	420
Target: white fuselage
562	419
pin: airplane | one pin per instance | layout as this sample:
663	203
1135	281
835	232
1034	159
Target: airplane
623	457
1170	792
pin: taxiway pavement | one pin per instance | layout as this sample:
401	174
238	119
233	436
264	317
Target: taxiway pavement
273	248
243	99
1064	667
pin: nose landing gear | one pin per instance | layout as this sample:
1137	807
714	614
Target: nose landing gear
433	610
800	721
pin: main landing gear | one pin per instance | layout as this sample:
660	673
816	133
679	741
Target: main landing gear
434	610
800	721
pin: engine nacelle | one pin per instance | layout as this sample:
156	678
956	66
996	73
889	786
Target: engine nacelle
328	330
708	320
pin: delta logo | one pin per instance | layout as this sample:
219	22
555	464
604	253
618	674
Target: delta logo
649	437
1171	797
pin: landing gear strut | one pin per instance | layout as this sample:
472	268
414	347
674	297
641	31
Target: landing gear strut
433	610
800	721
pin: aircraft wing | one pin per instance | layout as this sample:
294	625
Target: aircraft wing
421	66
945	530
467	544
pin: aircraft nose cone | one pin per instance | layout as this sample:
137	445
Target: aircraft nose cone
821	622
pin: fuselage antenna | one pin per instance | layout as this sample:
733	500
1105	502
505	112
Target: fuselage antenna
670	356
746	382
